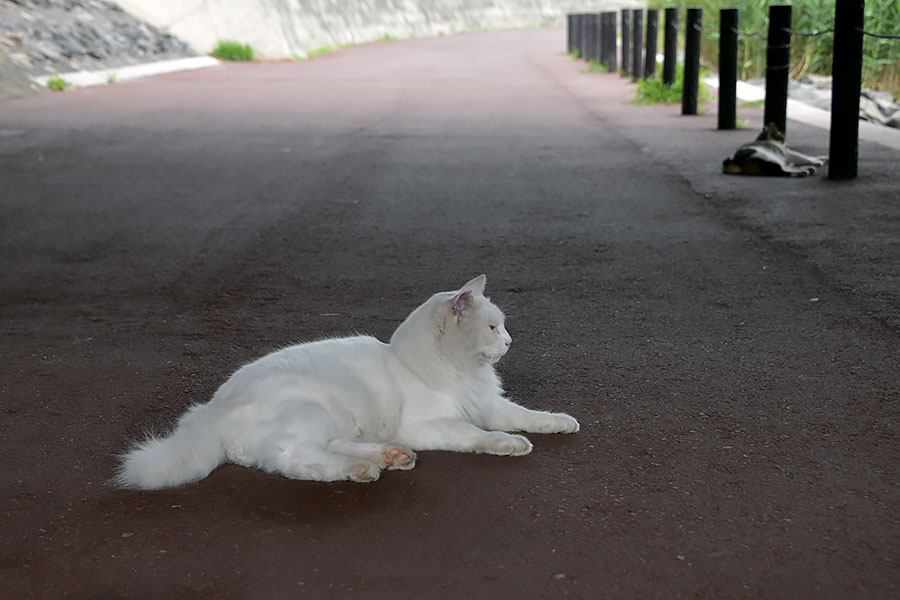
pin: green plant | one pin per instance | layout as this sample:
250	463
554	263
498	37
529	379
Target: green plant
232	50
320	50
111	78
575	54
595	66
809	54
57	83
653	91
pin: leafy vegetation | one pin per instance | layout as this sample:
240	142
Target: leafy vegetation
653	91
809	54
320	50
232	50
57	83
596	66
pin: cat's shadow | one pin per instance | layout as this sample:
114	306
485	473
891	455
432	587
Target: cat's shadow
262	496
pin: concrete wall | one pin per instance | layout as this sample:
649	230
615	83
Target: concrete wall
280	28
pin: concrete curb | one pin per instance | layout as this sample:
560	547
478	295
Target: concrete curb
104	76
811	115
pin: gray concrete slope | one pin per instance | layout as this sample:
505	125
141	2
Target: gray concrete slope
729	345
282	28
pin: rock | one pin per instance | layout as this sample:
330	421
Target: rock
869	111
71	35
48	50
884	100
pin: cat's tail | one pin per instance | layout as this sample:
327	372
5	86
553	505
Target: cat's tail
188	454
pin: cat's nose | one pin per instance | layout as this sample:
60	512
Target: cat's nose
508	342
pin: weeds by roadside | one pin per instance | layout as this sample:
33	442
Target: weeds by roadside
233	51
57	83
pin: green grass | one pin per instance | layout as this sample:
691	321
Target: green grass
57	83
653	91
881	57
595	66
232	50
320	50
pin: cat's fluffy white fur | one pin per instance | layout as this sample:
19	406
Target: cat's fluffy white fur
344	409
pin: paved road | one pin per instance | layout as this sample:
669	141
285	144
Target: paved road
729	345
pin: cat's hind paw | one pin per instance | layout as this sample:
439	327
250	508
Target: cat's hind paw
397	457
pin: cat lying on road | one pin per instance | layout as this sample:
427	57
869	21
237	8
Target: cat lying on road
767	155
346	408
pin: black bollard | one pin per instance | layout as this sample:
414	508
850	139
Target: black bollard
778	64
846	70
576	34
569	19
608	40
728	55
670	46
637	44
593	52
586	55
626	41
652	35
691	61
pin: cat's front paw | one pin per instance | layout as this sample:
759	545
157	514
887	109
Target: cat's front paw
563	423
553	423
362	471
506	444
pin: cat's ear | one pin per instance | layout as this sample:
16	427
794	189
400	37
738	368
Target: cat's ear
462	302
476	285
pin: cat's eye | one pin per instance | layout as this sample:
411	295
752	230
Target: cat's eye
493	327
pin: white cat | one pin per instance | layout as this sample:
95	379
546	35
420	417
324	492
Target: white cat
347	408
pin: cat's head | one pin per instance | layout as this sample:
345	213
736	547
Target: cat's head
472	326
771	132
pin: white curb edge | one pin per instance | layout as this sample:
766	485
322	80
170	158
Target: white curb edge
104	76
817	117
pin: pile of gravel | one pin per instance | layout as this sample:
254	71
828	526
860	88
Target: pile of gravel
42	37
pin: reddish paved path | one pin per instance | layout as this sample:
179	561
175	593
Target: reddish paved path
729	345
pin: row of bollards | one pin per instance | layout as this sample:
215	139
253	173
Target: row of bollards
592	37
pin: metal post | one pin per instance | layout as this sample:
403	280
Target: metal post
652	35
728	55
691	61
586	55
846	70
626	41
778	63
599	23
576	34
593	38
586	33
608	39
670	46
637	44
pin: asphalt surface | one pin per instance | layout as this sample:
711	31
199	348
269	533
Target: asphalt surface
729	345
